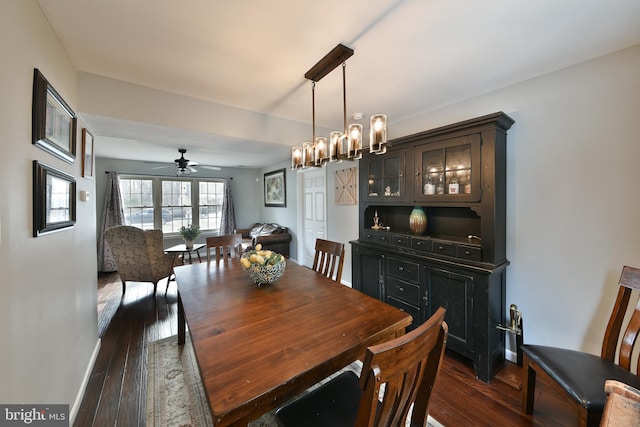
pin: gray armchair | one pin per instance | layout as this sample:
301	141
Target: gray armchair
139	255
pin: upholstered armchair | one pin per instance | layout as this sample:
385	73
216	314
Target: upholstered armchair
139	255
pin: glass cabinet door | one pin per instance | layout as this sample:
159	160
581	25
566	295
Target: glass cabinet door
449	170
385	176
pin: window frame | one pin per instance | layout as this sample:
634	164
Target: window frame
156	190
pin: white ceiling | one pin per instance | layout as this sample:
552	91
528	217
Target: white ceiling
411	57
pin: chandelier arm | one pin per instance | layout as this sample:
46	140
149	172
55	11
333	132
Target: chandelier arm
344	95
313	110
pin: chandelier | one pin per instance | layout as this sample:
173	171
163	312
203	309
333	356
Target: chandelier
346	143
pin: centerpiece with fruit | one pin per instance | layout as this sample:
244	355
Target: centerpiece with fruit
263	266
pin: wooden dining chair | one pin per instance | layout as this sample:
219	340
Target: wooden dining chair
329	258
406	366
227	246
622	407
580	375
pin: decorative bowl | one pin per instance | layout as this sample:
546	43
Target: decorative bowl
265	267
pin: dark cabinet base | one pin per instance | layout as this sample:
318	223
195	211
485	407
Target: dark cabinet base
473	296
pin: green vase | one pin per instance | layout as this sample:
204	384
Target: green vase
417	220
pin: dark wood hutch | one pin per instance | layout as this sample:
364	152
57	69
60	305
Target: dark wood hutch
459	261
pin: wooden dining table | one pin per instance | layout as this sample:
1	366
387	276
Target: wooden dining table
259	346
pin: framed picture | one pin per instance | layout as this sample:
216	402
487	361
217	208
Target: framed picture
53	122
275	189
87	154
54	199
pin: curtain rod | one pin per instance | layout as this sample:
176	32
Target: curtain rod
166	176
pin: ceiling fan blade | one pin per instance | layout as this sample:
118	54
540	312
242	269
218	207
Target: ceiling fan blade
213	168
192	169
163	167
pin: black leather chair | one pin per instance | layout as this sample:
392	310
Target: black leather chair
582	376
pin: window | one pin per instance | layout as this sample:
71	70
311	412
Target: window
176	205
169	204
211	196
137	198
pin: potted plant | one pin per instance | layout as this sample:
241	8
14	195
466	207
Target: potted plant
189	234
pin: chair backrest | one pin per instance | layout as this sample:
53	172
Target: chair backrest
629	281
139	254
408	367
329	258
224	246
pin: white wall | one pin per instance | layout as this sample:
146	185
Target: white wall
48	303
573	205
286	216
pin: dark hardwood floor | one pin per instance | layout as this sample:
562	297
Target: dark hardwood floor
117	388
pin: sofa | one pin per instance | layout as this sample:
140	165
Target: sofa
272	236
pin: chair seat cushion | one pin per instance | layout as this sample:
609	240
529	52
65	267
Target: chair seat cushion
334	403
582	375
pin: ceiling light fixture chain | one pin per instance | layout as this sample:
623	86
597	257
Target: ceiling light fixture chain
319	151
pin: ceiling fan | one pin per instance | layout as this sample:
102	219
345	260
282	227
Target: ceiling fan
185	166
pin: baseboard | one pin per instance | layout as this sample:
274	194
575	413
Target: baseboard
510	355
73	413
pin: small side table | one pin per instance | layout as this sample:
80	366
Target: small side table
182	249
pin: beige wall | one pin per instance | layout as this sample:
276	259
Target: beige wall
48	289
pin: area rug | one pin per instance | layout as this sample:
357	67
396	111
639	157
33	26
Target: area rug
175	396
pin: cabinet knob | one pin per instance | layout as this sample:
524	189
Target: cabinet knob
441	248
400	268
399	241
419	244
401	289
467	253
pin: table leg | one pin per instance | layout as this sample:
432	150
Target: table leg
198	253
182	324
190	259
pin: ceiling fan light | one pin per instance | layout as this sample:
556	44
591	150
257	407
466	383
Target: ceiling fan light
183	172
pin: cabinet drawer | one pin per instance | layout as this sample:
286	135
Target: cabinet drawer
408	271
402	290
400	240
444	248
421	244
471	253
368	235
385	238
407	308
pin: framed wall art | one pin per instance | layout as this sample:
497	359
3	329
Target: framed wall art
87	154
53	122
54	199
275	189
346	183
